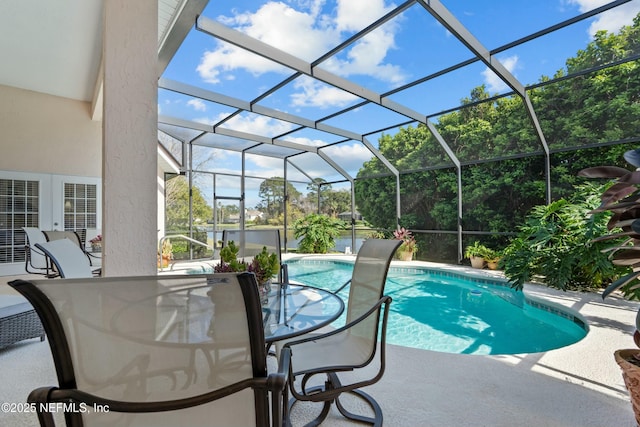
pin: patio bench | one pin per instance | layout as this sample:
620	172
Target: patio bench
18	321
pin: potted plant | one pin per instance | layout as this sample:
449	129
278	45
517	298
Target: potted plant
492	258
229	261
96	243
475	253
165	255
623	200
408	247
264	265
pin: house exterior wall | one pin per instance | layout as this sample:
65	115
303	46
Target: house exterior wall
48	134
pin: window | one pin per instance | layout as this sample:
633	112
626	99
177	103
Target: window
80	206
19	207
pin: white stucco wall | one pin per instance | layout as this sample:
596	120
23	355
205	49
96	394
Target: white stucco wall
48	134
130	156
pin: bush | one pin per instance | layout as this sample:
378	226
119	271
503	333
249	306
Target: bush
555	244
318	233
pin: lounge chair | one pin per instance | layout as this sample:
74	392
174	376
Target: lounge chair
35	260
69	261
251	243
157	351
351	347
75	237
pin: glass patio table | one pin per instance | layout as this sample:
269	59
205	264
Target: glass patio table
294	310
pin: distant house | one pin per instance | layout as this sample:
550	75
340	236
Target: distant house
346	216
252	214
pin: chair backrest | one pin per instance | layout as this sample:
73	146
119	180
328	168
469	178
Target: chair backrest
251	243
36	258
158	342
64	234
82	235
368	281
70	261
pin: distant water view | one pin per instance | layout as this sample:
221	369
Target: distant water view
342	243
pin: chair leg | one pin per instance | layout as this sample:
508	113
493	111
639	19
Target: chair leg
375	421
332	383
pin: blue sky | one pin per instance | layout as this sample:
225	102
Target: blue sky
411	46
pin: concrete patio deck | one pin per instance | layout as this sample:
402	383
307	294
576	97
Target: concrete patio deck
578	385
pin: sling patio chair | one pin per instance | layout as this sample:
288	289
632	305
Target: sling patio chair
178	350
67	259
350	347
251	243
35	260
75	237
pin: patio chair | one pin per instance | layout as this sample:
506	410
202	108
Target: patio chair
35	260
251	243
158	351
75	237
68	260
351	347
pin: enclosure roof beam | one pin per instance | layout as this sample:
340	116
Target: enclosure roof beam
190	124
269	52
451	23
239	104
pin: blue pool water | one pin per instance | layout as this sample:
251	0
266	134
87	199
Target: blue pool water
445	312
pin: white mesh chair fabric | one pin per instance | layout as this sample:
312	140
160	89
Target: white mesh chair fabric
69	260
64	234
352	346
251	243
158	350
35	261
76	237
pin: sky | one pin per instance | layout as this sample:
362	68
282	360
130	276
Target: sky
410	46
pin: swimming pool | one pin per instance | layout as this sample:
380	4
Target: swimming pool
453	313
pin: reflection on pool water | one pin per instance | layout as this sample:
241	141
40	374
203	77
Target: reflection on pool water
449	312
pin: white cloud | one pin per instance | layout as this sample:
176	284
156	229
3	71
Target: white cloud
367	55
492	81
312	93
613	19
354	15
350	156
197	104
306	141
259	125
308	33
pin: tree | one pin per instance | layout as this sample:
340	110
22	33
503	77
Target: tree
603	106
177	205
177	215
272	195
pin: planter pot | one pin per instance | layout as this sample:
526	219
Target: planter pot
631	376
164	261
263	291
405	256
492	265
477	262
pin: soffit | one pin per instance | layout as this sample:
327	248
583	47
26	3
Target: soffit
55	46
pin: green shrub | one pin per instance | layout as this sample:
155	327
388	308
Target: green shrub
318	233
555	245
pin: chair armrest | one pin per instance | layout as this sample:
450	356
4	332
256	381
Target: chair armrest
40	397
54	394
284	270
277	383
